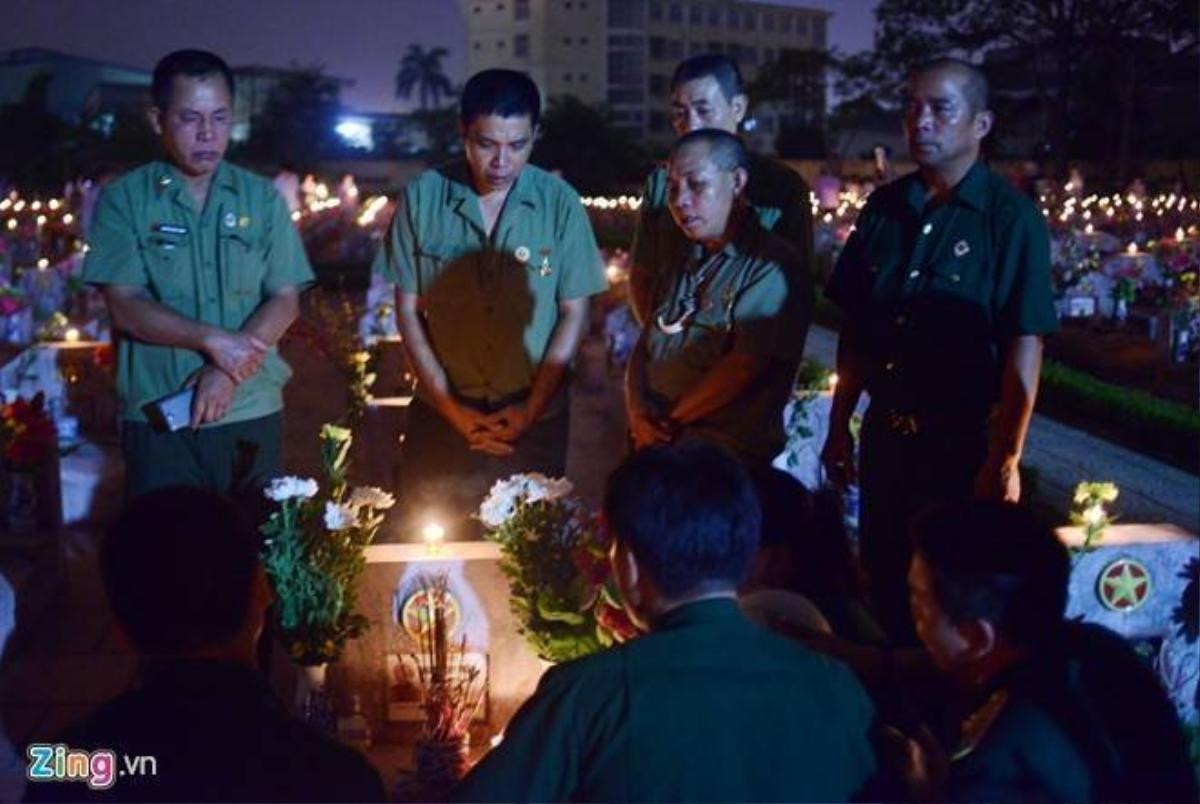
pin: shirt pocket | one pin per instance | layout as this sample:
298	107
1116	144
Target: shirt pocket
169	265
243	261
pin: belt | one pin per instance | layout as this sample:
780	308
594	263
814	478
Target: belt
909	423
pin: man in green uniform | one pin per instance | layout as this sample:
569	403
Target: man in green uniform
202	269
718	356
494	262
945	284
1053	710
707	92
707	706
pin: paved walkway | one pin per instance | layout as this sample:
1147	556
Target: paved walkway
1151	491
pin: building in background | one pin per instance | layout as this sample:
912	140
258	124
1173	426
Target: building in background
621	53
76	89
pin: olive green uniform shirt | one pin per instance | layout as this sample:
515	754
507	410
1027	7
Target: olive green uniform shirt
939	290
781	200
215	265
491	302
706	707
757	300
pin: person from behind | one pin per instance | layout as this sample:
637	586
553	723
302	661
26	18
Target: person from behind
706	706
181	572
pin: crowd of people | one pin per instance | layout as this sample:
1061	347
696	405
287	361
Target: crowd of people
940	668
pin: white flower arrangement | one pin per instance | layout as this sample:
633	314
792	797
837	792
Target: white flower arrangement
505	495
290	487
315	576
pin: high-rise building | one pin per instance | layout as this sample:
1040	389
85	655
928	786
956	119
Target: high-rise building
621	53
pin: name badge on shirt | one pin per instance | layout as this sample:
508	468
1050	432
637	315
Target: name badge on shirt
169	228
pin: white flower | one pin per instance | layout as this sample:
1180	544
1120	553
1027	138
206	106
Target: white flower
539	487
285	488
1093	515
371	497
505	495
339	517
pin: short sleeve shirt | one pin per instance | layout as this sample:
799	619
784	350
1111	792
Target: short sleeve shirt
215	265
779	195
491	302
940	289
754	297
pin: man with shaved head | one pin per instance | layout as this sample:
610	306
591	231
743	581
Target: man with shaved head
726	328
945	286
707	91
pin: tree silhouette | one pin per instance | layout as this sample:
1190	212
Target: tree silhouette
421	70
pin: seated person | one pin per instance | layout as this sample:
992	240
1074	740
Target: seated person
181	571
1057	710
805	550
706	706
718	357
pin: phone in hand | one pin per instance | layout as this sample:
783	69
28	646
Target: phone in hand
171	412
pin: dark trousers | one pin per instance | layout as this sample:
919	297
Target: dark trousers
443	480
901	473
235	459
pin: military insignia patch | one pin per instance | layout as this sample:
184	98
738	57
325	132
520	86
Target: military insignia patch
1124	585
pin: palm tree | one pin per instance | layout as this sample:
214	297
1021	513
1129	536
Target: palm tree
421	69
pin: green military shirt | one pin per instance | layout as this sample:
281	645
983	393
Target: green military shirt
215	265
706	707
780	198
939	290
491	302
755	298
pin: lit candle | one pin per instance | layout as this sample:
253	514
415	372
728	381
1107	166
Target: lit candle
71	335
833	381
433	534
1089	229
1179	235
1132	250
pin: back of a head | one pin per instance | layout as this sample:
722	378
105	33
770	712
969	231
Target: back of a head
689	515
994	561
811	529
504	93
726	150
189	64
721	68
178	566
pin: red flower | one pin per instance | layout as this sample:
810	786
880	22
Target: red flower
615	620
27	434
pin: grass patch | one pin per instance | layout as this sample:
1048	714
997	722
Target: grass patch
1133	418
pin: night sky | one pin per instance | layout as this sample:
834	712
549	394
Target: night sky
362	40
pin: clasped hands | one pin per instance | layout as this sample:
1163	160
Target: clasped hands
235	357
490	433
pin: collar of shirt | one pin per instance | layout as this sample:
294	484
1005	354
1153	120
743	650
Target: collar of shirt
744	241
711	610
971	191
461	196
204	677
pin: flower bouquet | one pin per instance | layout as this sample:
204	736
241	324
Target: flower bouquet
555	557
313	553
28	467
